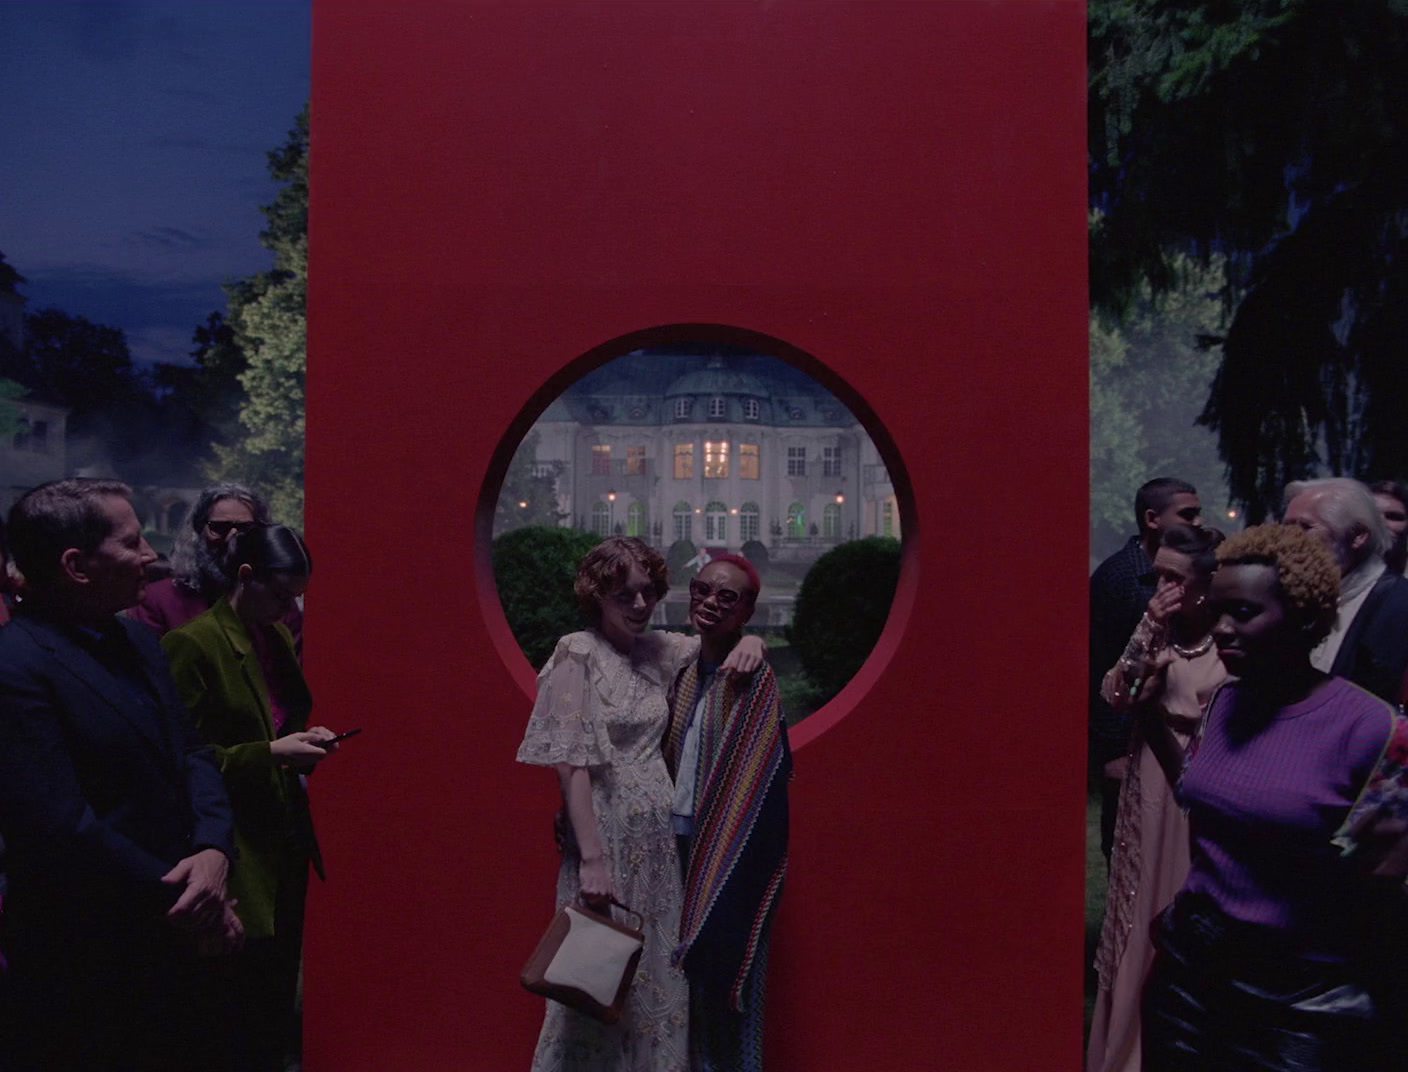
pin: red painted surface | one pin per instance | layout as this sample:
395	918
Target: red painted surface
896	191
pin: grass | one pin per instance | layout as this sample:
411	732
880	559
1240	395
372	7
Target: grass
1095	887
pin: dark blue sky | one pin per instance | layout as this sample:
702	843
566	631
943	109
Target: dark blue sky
133	141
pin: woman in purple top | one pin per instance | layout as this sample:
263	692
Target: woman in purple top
1267	958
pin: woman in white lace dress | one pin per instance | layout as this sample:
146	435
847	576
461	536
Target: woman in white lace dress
598	720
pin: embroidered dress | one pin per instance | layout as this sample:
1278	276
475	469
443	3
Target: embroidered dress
606	711
1150	858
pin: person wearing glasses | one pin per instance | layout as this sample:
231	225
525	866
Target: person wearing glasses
198	562
600	714
726	747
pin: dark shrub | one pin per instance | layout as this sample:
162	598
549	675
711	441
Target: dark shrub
841	609
681	551
756	553
534	568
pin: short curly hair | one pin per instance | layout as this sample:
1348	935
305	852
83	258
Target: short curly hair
1306	571
604	569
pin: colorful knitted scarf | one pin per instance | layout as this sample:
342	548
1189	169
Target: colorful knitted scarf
739	853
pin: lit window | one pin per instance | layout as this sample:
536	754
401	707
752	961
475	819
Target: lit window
601	519
831	522
635	520
830	461
715	460
748	521
682	407
796	461
635	461
716	522
717	407
748	461
796	520
684	461
750	409
684	520
601	459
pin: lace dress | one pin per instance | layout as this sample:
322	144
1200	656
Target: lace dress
606	711
1150	859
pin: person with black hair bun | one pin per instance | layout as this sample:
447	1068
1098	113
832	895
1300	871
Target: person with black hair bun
238	674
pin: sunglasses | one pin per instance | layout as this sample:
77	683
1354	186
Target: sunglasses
724	597
224	528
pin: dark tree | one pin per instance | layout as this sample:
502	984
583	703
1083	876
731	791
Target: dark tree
534	570
1271	132
842	608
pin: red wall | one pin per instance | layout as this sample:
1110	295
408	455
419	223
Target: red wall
897	190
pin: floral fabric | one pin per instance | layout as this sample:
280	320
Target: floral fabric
601	709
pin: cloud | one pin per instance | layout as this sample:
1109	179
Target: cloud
169	238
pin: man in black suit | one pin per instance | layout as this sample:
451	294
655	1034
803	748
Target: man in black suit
1369	644
117	829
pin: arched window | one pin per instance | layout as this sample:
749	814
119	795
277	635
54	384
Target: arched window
750	409
717	407
682	407
601	519
635	519
716	522
831	522
796	520
684	520
748	521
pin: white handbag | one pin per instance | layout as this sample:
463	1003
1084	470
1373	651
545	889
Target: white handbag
586	960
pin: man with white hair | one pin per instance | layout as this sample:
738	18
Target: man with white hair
1369	643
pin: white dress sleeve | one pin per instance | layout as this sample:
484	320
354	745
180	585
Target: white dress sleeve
567	724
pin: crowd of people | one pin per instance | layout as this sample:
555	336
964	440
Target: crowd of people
154	753
1244	693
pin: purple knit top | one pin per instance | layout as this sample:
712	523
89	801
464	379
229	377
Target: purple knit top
1263	800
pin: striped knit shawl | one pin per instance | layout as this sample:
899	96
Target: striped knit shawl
739	853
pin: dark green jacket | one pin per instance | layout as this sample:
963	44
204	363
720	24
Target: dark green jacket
218	674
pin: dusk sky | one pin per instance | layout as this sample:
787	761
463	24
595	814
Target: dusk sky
133	154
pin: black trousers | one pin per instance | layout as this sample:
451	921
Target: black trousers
1224	996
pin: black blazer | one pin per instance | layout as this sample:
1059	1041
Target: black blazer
1374	653
101	791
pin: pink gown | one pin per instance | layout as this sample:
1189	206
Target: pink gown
1150	858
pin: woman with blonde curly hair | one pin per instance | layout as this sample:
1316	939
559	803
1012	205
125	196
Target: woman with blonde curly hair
1267	957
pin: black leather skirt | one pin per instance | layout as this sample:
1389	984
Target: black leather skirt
1225	995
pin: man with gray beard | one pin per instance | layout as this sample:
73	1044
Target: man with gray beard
198	562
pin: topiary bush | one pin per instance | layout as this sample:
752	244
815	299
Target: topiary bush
680	552
534	568
841	609
756	553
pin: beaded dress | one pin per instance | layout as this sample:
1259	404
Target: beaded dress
604	710
1150	858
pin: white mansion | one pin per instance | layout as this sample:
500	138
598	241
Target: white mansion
717	448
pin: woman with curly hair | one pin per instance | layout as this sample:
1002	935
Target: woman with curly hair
599	720
1267	957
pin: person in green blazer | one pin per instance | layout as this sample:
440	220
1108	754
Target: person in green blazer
236	671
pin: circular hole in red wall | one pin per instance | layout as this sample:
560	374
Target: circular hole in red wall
702	439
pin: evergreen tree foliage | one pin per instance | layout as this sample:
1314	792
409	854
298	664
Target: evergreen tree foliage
1274	134
528	495
534	570
841	610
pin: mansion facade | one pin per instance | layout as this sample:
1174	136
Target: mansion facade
718	450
